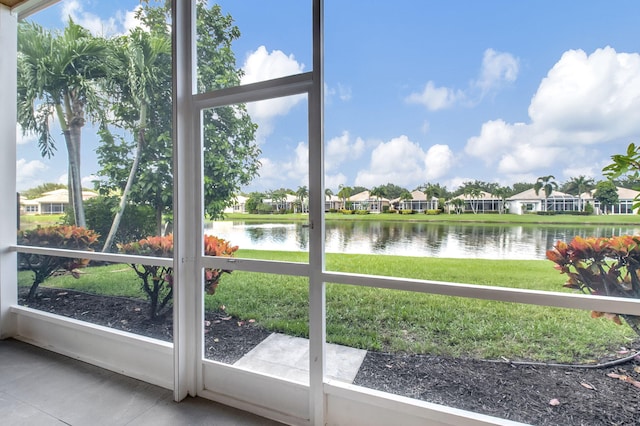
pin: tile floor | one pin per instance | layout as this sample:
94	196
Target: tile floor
38	387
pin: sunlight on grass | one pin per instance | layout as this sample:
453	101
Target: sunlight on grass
399	321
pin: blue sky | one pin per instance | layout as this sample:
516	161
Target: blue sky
422	91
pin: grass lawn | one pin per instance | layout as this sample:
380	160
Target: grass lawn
462	218
33	221
397	321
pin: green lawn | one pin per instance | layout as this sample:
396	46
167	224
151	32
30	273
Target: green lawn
397	321
33	221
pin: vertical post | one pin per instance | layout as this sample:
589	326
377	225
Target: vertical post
8	94
185	195
317	308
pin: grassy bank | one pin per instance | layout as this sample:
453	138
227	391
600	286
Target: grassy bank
396	321
454	218
33	221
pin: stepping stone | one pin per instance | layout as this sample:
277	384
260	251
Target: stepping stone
288	357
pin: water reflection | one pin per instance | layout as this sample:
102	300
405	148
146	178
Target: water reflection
413	239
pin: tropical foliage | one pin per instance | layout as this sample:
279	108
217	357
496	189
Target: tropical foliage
58	76
626	165
157	281
547	184
68	237
601	266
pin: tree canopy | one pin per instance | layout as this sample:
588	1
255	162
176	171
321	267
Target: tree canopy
230	153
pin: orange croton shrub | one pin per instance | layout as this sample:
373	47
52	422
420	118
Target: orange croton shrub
64	237
157	281
601	266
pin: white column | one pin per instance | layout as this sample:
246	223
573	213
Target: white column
317	296
187	214
8	213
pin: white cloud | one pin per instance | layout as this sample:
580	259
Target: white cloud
22	139
129	19
262	65
435	98
455	182
87	181
108	26
286	173
584	100
591	98
497	68
438	161
297	168
341	149
399	161
341	91
344	92
334	181
28	173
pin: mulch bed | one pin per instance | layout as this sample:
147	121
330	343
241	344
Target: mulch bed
534	394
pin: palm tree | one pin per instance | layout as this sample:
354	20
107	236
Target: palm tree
501	193
458	205
57	76
474	194
404	197
377	192
279	198
548	184
344	193
327	195
302	193
136	79
580	185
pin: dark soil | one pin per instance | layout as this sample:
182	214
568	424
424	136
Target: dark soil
522	393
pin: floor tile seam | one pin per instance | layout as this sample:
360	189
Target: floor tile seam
158	401
35	406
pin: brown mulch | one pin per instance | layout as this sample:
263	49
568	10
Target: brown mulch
534	394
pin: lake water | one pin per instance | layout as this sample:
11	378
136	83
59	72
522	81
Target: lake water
413	239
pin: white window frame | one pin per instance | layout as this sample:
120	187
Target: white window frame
323	401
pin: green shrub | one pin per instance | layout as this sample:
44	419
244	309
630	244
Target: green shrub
157	281
362	212
393	211
333	210
264	208
547	213
407	212
385	209
432	212
588	208
65	237
345	211
137	220
602	266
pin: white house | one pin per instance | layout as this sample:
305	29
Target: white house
365	201
418	202
626	198
239	205
52	202
482	203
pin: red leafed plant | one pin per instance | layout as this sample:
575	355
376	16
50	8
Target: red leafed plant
64	237
601	266
157	281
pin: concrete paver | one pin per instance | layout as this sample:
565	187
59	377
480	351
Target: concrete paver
288	357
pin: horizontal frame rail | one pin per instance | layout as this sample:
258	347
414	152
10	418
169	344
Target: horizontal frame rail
473	291
501	294
263	90
105	257
253	265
